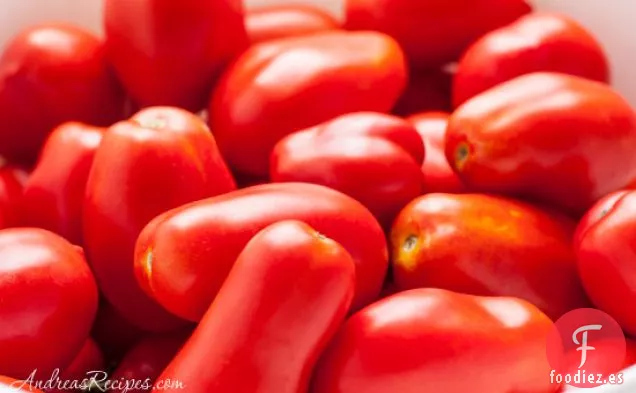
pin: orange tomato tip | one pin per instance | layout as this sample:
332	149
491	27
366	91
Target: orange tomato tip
406	251
461	155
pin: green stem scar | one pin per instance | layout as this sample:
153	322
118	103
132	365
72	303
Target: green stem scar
409	244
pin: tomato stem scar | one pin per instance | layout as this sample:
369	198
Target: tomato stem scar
410	243
462	152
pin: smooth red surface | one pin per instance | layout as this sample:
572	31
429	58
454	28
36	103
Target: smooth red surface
49	300
536	42
284	21
427	90
170	52
488	246
12	181
438	174
49	74
283	301
432	340
372	157
87	361
433	32
596	213
161	158
606	255
184	255
278	87
555	138
143	364
54	192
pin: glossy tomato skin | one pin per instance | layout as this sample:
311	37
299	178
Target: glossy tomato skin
432	32
54	193
487	246
88	361
606	261
284	21
12	180
184	255
144	37
437	172
596	213
114	334
161	158
50	74
46	275
432	340
572	143
284	270
372	157
8	384
278	87
143	364
427	90
535	42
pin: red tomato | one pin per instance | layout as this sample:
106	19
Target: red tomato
184	255
607	261
278	87
49	300
161	158
488	246
86	362
283	21
54	192
571	143
432	340
10	385
114	334
372	157
50	74
12	181
433	32
285	298
170	52
598	211
535	42
141	366
426	91
438	174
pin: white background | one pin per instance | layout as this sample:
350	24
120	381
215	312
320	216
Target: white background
611	20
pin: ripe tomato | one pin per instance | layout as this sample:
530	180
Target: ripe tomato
285	298
54	192
438	174
50	74
278	87
535	42
372	157
488	246
49	300
556	138
12	180
143	364
283	21
607	260
170	52
161	158
184	255
432	340
432	32
597	212
88	360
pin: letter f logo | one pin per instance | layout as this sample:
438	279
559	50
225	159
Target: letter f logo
583	344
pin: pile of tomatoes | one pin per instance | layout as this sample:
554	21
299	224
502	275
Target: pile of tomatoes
207	199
